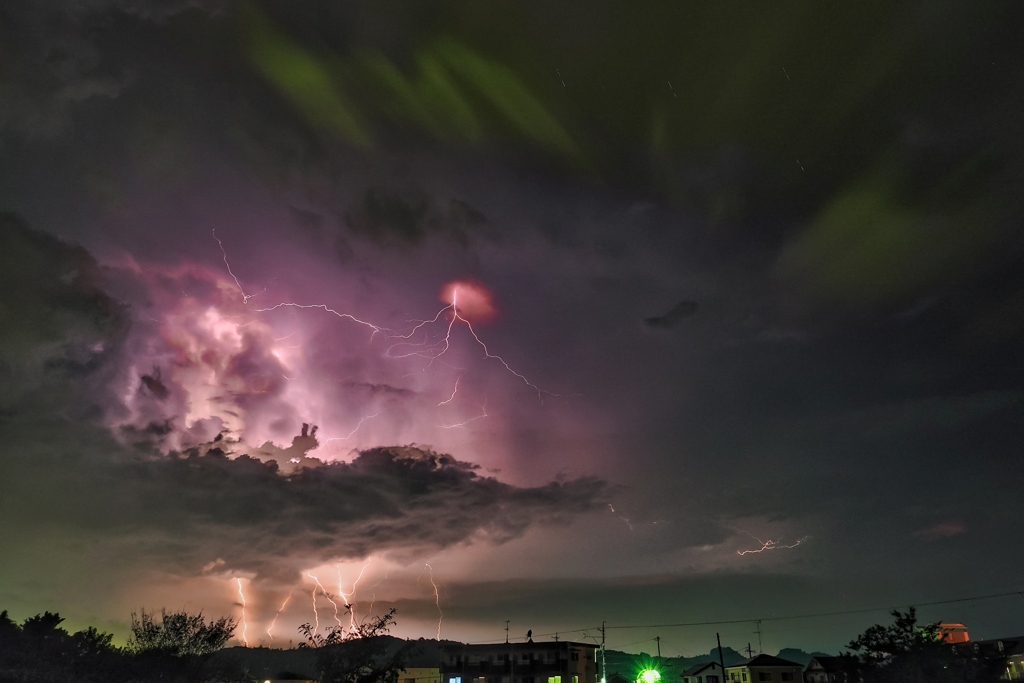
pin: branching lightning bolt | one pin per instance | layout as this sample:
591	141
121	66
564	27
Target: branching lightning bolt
347	597
770	545
245	625
437	601
245	297
431	352
326	595
435	351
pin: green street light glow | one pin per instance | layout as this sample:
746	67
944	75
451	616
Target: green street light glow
649	676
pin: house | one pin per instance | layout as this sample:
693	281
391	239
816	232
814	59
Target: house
827	669
761	668
550	662
709	672
419	675
1010	648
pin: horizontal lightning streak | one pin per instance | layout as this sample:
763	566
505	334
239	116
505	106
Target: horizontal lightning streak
472	419
770	545
352	433
323	307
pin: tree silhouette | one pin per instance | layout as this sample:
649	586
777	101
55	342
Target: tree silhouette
907	653
361	654
40	650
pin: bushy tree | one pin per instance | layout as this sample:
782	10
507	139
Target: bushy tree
361	654
179	633
904	652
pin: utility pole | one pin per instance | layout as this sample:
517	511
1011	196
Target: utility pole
721	660
604	671
759	650
657	639
750	651
506	630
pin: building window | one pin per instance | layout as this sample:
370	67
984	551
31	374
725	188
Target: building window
455	679
744	675
554	679
410	680
575	656
575	679
787	675
764	676
711	679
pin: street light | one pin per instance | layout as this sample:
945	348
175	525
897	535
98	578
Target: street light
649	676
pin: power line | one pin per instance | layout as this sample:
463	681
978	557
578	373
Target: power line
796	616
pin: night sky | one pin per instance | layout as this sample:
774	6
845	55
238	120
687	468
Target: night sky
585	299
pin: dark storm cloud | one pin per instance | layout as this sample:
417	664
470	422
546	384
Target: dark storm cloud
59	327
682	310
183	512
53	63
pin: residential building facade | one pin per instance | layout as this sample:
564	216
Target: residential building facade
1012	649
765	668
709	672
548	662
827	670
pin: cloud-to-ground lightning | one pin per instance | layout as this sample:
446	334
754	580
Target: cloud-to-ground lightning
770	545
245	625
437	601
349	597
273	622
327	595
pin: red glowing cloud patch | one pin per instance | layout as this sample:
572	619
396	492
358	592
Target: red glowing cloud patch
473	301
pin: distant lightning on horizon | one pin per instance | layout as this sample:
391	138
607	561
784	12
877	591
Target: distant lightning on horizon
770	545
